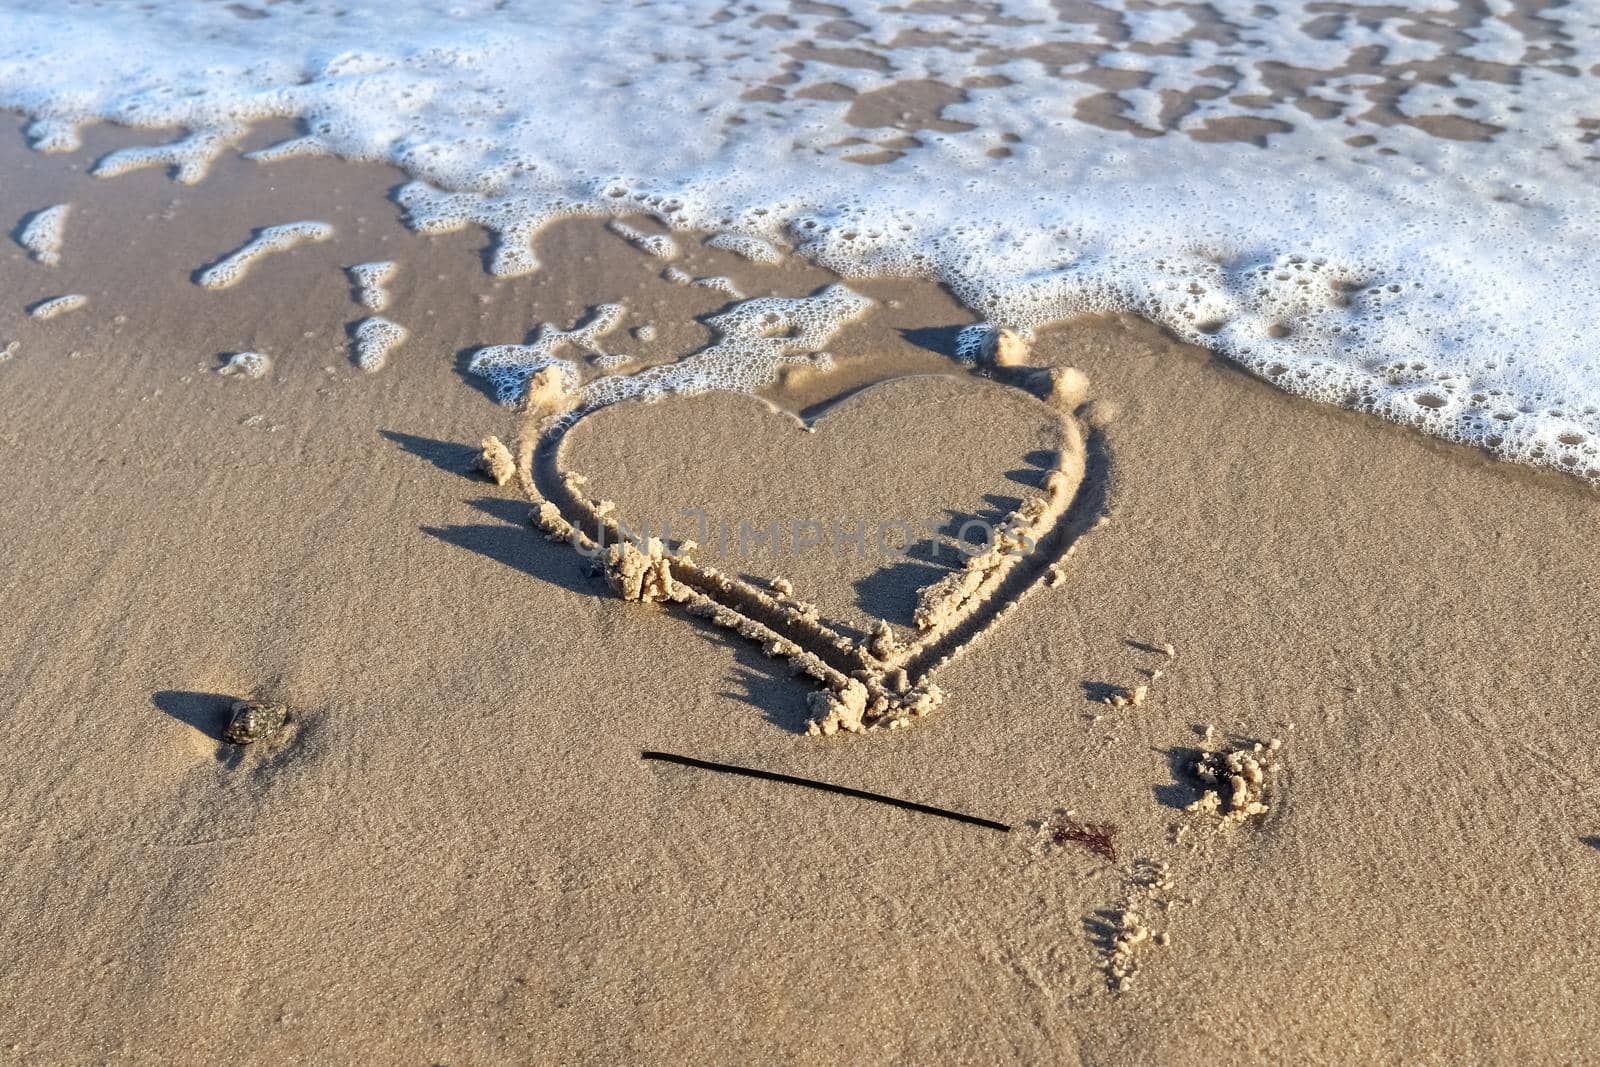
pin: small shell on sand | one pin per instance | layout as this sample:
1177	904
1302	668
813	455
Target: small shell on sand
255	720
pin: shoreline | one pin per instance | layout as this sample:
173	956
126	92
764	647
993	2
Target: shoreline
381	221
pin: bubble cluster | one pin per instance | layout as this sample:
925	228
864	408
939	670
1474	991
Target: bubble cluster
189	158
373	339
246	365
370	281
57	305
43	233
509	367
660	245
742	244
753	341
231	269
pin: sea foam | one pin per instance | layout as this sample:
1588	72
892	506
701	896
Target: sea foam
1388	208
43	234
231	269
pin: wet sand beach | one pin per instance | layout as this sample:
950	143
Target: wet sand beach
457	855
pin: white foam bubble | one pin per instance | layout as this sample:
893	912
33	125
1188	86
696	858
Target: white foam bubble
660	245
57	305
373	340
610	360
189	157
1386	208
246	365
371	283
752	248
231	269
293	148
721	284
754	340
44	233
508	367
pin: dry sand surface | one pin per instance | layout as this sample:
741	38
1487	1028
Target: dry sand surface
457	856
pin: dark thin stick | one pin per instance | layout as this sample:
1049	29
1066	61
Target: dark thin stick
826	787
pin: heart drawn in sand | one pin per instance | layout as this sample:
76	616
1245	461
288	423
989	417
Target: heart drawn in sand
878	677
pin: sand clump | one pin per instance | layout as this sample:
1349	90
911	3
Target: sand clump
549	393
495	461
1133	697
1064	388
864	703
841	709
988	345
1100	413
1004	348
882	643
642	575
1237	781
1138	924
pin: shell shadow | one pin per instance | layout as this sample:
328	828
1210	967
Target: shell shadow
206	712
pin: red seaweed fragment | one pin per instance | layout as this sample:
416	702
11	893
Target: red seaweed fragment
1097	837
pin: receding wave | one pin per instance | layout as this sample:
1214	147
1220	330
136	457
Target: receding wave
1384	208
